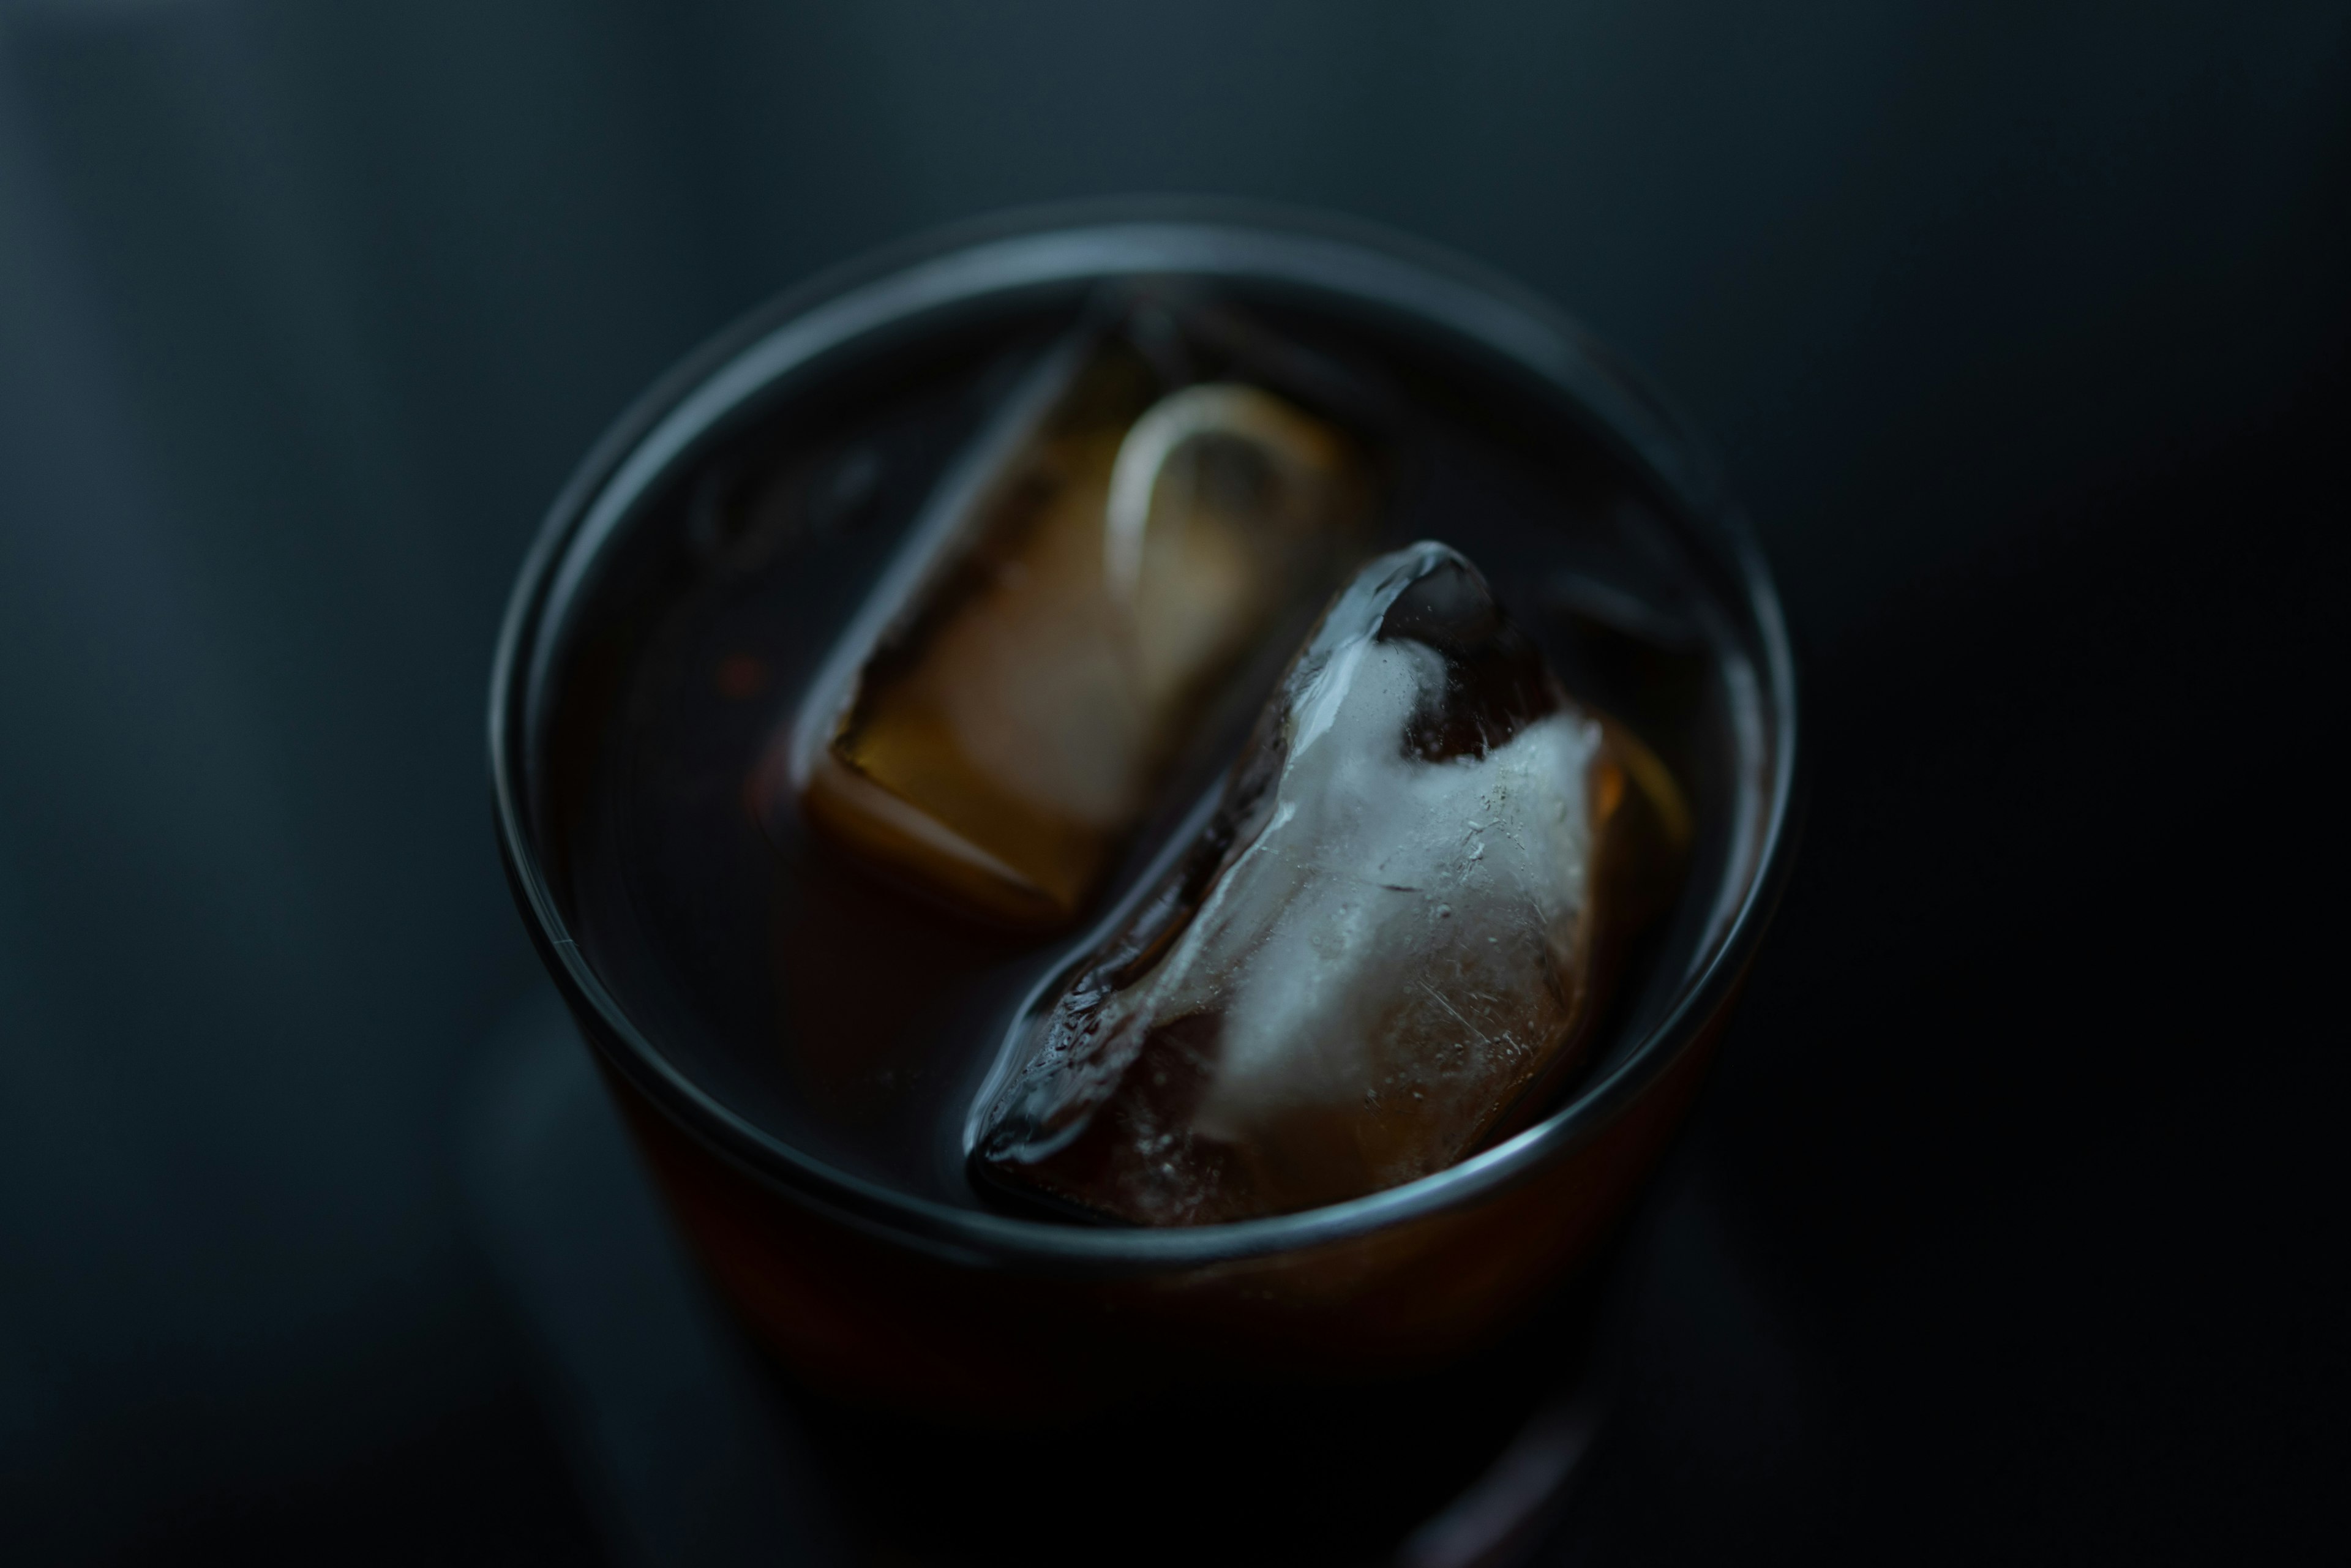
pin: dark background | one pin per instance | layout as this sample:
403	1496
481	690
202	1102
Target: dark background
2010	1227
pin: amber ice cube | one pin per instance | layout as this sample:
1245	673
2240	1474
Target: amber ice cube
1389	945
1126	555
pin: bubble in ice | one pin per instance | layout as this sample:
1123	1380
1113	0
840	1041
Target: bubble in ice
1388	945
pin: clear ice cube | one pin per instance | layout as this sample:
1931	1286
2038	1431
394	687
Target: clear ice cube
1389	943
1123	555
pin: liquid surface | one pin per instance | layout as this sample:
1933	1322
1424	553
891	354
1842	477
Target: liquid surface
862	1026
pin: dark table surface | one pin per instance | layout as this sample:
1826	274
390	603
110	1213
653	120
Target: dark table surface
2008	1229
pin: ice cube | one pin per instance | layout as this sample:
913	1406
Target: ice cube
1124	558
1389	943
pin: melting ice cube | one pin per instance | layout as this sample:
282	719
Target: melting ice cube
1389	943
1084	596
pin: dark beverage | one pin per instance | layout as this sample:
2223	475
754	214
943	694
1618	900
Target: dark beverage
762	899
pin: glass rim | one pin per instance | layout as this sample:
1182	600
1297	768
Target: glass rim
1068	245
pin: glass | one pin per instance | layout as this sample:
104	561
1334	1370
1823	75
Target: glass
753	1000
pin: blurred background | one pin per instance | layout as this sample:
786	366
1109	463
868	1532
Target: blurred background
2009	1226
